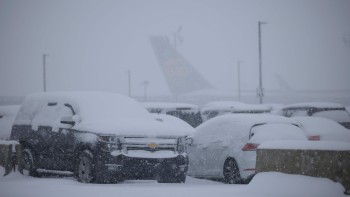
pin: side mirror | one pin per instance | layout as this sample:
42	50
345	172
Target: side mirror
189	141
68	120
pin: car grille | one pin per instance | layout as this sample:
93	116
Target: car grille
149	144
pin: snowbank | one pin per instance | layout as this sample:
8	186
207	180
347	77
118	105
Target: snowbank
279	184
263	185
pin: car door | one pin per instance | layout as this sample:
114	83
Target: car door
61	151
206	151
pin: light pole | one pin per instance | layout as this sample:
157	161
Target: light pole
239	79
260	90
129	82
44	71
145	83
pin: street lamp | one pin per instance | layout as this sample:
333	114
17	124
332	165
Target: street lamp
239	79
44	71
260	90
129	82
145	83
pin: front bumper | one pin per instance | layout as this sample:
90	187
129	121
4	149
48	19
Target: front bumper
125	167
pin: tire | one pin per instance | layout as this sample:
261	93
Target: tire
231	172
85	167
29	167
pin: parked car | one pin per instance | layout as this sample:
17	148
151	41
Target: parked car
323	129
98	137
216	108
332	111
7	116
225	147
188	112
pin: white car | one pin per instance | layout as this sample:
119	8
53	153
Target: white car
225	147
333	111
324	129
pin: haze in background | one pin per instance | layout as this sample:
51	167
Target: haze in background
92	44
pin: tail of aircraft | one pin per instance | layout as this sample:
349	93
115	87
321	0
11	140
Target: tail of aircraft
180	75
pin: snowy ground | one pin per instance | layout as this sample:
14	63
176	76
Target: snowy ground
263	185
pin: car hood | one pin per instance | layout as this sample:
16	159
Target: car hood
132	127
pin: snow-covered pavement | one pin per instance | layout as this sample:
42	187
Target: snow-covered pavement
264	184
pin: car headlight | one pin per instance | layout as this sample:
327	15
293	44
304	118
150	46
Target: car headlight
110	143
181	145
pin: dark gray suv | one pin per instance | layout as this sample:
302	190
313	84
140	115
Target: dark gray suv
98	137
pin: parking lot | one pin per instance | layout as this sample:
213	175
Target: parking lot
265	184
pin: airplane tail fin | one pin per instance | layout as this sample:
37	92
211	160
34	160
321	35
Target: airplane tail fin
180	75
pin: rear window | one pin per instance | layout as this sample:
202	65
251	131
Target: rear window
275	131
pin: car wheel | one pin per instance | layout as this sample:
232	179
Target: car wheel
29	167
231	172
85	167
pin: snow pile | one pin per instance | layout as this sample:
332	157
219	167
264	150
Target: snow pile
279	184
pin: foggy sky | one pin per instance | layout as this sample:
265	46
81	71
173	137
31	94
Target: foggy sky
92	44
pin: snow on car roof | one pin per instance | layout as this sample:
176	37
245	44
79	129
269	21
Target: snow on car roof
326	128
315	104
235	106
233	128
99	112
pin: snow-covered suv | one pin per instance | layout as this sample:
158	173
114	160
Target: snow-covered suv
98	137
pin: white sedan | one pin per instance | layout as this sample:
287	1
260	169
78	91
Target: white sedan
323	129
225	147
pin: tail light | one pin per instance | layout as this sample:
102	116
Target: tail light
314	138
250	147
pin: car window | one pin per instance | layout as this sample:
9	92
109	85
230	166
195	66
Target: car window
296	112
